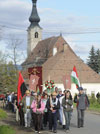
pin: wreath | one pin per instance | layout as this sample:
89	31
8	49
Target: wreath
49	84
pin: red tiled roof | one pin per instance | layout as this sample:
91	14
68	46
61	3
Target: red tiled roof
63	62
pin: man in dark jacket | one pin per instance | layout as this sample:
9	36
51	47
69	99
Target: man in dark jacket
82	103
53	105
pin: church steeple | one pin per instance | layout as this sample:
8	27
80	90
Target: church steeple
34	30
34	18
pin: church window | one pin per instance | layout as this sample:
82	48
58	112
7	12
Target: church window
36	35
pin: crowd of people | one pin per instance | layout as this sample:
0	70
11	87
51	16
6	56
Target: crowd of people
43	111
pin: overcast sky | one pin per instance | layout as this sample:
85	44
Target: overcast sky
77	20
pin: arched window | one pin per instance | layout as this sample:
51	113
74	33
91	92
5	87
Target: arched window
36	35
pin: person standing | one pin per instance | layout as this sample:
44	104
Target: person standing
26	103
82	103
53	105
38	108
67	108
60	112
45	116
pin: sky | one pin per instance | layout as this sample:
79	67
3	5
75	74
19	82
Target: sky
77	20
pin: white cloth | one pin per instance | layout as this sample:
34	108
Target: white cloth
27	118
27	100
62	116
54	103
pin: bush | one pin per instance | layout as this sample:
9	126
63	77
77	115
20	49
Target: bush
93	99
4	129
3	114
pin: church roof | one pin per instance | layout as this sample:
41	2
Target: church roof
40	53
55	67
63	62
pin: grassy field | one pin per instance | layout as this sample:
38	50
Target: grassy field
93	107
5	129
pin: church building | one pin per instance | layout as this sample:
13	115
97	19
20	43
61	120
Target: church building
56	58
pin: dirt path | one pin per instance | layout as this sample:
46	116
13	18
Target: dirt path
10	120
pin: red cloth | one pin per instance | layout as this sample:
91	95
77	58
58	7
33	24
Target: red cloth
21	88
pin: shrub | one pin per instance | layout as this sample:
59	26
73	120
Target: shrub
92	99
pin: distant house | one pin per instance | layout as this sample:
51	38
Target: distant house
57	59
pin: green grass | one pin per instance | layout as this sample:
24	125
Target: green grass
4	129
3	114
95	107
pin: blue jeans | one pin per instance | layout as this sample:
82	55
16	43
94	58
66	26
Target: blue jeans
67	118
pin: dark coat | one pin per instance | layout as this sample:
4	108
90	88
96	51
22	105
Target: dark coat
82	102
56	107
67	104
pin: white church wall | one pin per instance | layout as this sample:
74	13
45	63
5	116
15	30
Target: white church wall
89	88
32	41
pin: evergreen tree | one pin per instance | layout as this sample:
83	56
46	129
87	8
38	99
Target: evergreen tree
98	59
92	59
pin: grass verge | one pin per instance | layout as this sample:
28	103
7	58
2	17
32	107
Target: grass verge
3	114
5	129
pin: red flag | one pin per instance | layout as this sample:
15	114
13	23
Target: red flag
21	88
33	82
67	81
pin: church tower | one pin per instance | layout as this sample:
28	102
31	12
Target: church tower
34	30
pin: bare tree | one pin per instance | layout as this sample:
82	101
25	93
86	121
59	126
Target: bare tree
15	53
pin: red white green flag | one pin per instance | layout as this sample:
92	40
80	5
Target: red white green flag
74	77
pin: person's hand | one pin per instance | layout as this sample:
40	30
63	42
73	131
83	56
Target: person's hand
52	105
51	108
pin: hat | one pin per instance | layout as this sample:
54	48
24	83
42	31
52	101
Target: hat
27	92
54	94
80	88
35	94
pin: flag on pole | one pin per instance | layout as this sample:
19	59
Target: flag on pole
66	81
21	88
74	77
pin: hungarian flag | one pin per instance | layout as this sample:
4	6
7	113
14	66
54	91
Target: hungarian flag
74	77
67	81
21	88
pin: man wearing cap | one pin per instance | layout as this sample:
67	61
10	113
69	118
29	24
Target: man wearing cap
53	105
26	103
82	103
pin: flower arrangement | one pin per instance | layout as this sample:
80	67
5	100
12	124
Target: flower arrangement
49	84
